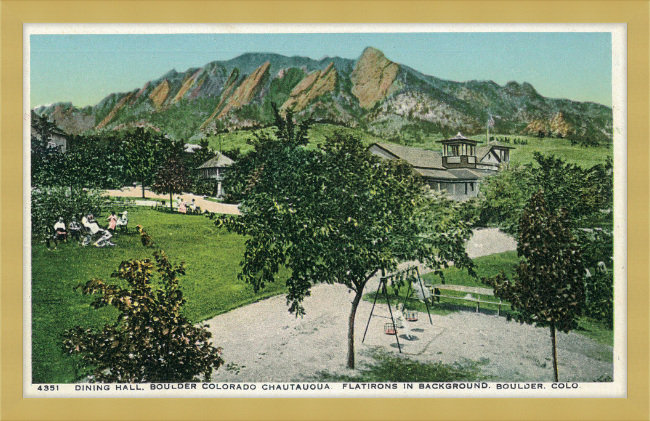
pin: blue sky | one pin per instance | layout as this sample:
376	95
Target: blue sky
84	69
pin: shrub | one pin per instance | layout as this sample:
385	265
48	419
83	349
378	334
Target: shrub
48	203
600	297
150	340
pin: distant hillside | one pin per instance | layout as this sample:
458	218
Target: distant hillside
372	93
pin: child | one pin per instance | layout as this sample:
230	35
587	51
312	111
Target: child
112	221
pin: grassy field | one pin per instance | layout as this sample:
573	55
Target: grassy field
522	154
317	134
486	266
395	368
210	286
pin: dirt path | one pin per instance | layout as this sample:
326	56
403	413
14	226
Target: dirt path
263	342
136	193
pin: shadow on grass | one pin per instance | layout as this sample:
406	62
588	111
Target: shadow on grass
441	308
389	367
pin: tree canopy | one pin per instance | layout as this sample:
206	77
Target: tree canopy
337	214
144	152
548	288
586	195
172	177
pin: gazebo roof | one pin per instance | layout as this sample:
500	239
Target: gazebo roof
218	161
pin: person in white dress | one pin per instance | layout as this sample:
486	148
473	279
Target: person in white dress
400	322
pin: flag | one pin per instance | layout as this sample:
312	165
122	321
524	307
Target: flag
491	121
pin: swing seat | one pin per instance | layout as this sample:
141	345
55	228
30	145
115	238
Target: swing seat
411	316
389	329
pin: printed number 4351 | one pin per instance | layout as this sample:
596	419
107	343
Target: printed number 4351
48	387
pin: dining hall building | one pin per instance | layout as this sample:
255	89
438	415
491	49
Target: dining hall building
458	169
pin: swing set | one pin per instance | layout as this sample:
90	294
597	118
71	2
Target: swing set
397	280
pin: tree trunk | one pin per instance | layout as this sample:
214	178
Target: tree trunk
353	313
143	188
171	208
554	343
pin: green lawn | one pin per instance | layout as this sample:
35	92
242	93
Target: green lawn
523	154
486	266
210	286
388	367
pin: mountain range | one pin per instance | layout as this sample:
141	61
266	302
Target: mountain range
372	93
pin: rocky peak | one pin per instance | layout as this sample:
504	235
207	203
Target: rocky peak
248	89
373	77
317	83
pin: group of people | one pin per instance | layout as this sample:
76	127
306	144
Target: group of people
91	228
182	205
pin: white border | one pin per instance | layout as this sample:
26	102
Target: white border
618	388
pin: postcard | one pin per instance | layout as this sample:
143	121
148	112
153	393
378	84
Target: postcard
327	211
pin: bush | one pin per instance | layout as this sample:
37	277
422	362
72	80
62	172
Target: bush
48	203
150	341
599	303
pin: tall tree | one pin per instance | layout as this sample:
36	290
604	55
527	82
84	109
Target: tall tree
144	151
172	177
548	287
151	341
337	215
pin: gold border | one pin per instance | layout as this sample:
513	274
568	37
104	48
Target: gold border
14	13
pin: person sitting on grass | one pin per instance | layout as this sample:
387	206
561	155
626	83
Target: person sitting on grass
105	239
60	234
75	229
182	207
193	206
94	228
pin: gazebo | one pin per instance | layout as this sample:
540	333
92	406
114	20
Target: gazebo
214	169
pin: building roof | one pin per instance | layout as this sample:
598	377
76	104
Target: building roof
459	138
418	158
481	151
500	145
218	161
436	174
455	174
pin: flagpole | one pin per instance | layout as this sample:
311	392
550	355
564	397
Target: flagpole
487	128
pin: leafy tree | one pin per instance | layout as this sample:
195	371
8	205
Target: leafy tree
144	151
94	161
287	134
172	177
337	215
586	194
42	131
48	203
583	193
151	341
548	288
